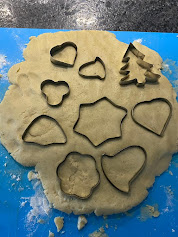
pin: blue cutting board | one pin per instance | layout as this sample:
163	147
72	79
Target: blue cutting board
16	191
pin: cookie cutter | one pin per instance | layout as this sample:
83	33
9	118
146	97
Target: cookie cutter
150	77
135	175
88	105
152	101
57	49
92	189
51	82
97	59
34	121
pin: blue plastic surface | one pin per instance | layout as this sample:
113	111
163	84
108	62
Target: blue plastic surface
14	216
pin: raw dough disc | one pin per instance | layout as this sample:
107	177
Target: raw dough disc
24	101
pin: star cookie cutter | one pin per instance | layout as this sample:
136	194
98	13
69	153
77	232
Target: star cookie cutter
89	104
152	101
134	176
34	121
97	59
150	77
92	189
51	82
57	49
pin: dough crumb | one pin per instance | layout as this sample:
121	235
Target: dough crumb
51	234
0	75
99	233
41	221
106	226
32	175
82	221
105	217
149	212
170	172
59	222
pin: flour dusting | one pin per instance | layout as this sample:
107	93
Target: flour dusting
139	40
3	61
40	207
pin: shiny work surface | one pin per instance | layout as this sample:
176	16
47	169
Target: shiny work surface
126	15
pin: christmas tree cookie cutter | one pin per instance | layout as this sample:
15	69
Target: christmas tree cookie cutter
150	77
58	83
57	49
97	59
152	101
92	188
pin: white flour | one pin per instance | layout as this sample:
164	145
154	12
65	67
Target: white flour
3	61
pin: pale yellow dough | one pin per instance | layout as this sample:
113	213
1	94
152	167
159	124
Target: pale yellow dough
24	102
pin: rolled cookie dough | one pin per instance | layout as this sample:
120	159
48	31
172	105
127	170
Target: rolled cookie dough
24	101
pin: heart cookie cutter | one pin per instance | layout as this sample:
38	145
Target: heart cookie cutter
97	59
57	49
152	101
92	189
51	82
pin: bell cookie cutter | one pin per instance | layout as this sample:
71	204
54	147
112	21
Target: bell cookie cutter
97	59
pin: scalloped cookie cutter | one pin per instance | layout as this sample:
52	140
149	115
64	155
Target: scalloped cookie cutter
134	176
89	104
150	77
51	82
34	121
152	101
57	49
97	59
92	189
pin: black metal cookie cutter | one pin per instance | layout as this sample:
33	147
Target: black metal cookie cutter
150	77
135	175
51	82
34	121
97	59
152	101
57	49
92	189
88	105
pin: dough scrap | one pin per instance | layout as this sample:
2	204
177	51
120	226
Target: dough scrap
24	101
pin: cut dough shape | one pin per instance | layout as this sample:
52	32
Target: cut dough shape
24	101
147	115
59	222
44	130
78	175
122	168
97	125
